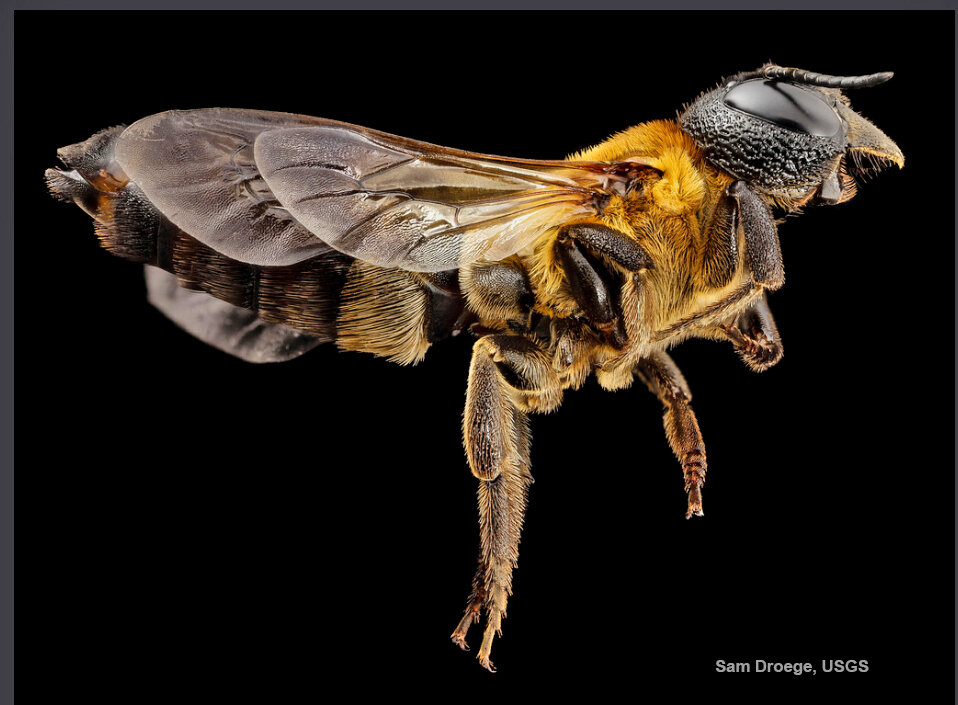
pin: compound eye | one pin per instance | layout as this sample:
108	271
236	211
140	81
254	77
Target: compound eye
785	105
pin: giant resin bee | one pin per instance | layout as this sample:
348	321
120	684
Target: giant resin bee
270	233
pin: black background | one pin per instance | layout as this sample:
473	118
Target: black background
194	525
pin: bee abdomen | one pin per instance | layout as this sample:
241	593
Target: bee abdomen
126	223
330	296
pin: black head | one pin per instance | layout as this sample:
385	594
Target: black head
789	133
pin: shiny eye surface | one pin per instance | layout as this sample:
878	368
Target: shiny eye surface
785	105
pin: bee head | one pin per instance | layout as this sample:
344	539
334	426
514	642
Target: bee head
791	134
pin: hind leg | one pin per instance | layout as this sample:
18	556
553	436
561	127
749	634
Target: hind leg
509	376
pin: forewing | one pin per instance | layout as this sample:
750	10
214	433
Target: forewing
269	188
197	168
395	202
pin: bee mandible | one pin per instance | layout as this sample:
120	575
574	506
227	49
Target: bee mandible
270	233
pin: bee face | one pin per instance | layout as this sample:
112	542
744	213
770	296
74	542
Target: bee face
796	142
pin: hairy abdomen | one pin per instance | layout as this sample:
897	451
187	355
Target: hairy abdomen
330	296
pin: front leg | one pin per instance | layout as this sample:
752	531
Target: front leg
762	249
741	216
755	336
509	377
664	379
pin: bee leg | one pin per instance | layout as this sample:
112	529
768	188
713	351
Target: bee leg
762	248
664	379
755	336
721	237
509	376
502	503
499	291
591	292
581	248
740	213
616	245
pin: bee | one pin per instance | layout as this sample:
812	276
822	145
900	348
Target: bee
267	234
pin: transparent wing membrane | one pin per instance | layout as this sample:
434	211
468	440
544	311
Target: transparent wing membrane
271	188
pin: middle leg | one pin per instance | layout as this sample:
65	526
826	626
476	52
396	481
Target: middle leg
664	379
